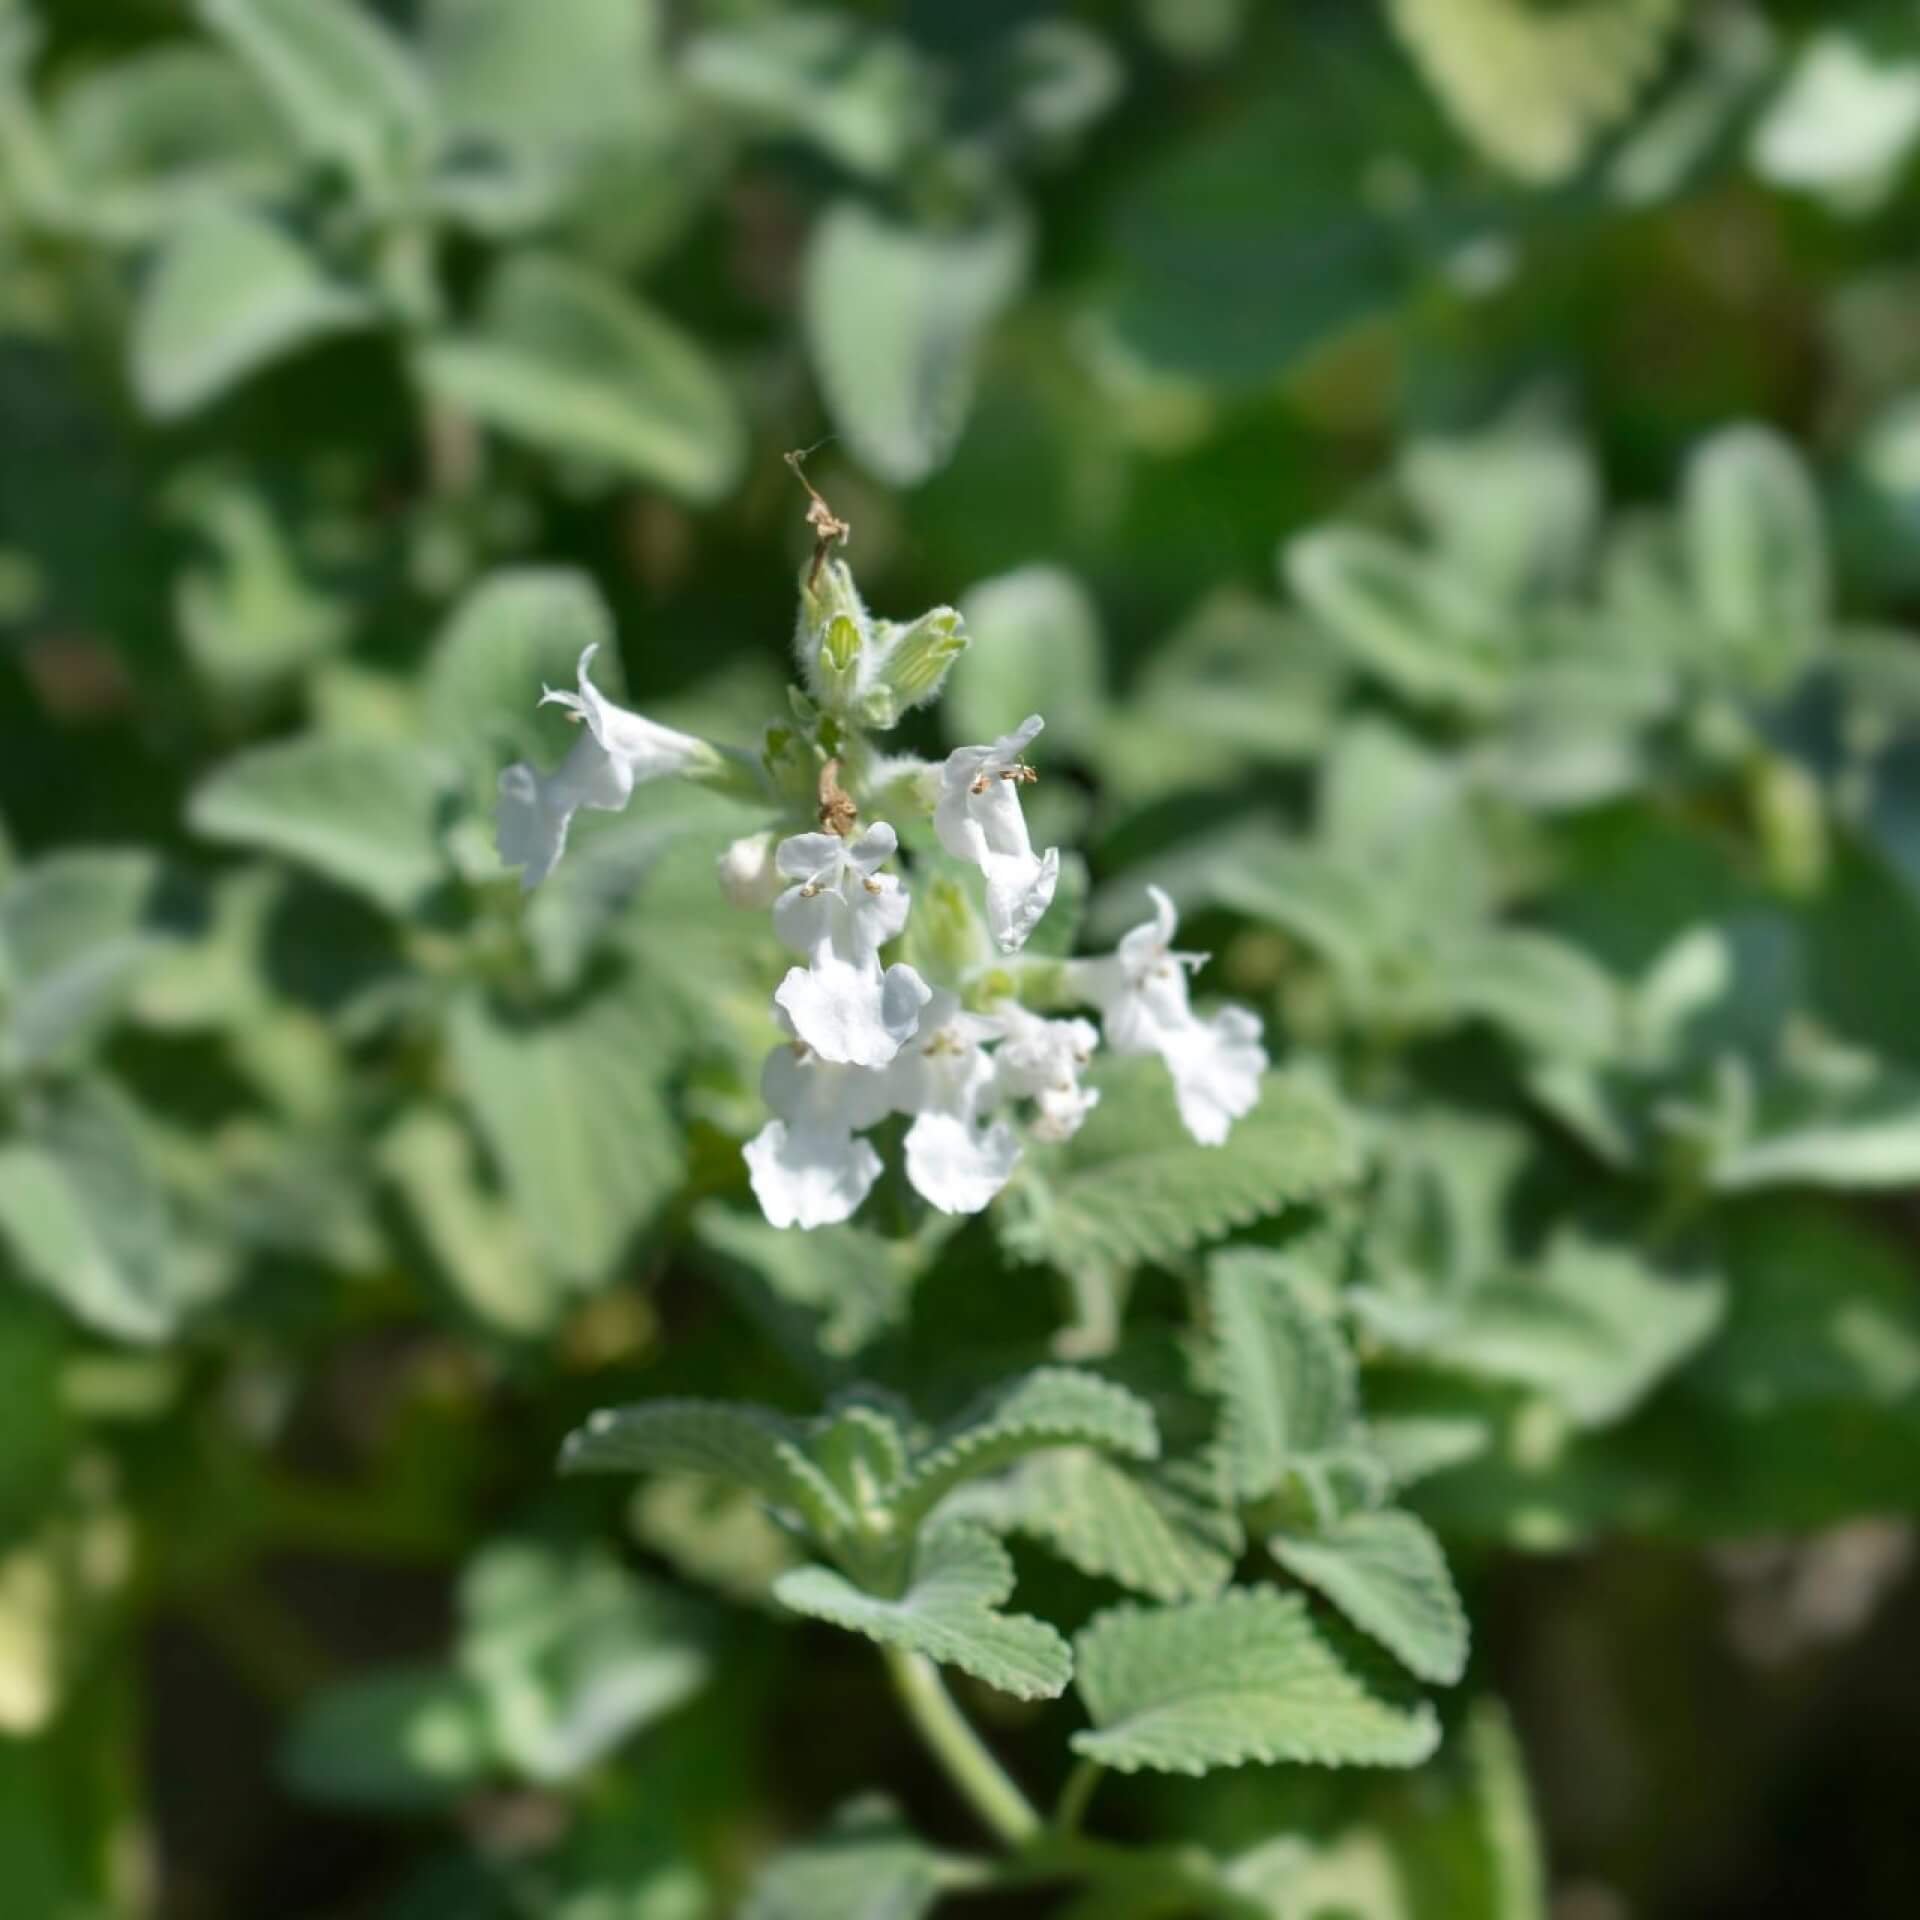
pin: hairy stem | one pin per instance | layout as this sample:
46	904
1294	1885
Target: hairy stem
975	1773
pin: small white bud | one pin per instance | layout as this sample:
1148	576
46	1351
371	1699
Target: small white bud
748	876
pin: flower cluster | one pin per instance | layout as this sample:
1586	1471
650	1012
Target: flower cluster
966	1060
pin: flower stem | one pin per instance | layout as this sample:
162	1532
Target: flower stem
1075	1795
978	1776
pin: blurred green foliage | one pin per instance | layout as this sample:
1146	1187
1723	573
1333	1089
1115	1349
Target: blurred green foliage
1446	469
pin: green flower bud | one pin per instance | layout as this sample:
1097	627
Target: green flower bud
919	656
834	638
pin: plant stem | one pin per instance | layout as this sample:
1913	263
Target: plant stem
1075	1795
978	1776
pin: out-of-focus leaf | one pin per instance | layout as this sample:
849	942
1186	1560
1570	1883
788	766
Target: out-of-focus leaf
1842	125
75	930
1593	1326
949	1611
1533	85
895	319
346	83
1036	648
867	1865
569	1657
229	294
1865	1135
572	1106
573	363
86	1219
408	1740
1757	551
1249	1676
859	96
164	134
366	813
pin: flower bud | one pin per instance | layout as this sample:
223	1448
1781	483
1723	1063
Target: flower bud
834	638
919	656
748	876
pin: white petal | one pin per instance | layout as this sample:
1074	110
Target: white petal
810	856
851	1014
957	1166
1059	1112
808	1178
535	809
808	1092
1019	891
1216	1066
648	749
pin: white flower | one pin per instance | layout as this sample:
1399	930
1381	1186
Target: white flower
748	876
1041	1060
978	819
838	914
1141	991
943	1077
617	752
807	1166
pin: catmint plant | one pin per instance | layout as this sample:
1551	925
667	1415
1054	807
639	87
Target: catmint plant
965	1040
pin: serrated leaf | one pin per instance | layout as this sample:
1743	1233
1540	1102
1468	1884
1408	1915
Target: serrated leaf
1249	1676
895	318
366	813
407	1740
1594	1327
1050	1407
1131	1188
571	1656
949	1611
1385	1571
229	294
572	1106
867	1865
1285	1374
75	929
723	1440
1159	1532
574	364
349	88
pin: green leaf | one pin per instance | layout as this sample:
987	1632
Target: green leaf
86	1220
1162	1532
1426	631
165	134
859	96
1050	1407
573	1109
1385	1571
1594	1327
75	929
948	1611
570	1656
479	1242
366	813
723	1440
1249	1676
406	1741
1544	992
229	294
1286	1376
347	85
519	630
1131	1188
574	364
1035	647
1865	1135
895	319
867	1865
1757	550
